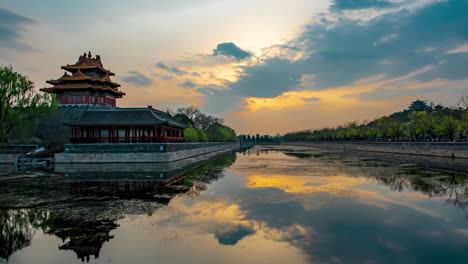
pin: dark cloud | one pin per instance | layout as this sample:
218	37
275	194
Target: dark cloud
172	69
230	49
188	84
232	237
353	50
209	89
161	76
394	44
310	99
9	18
360	4
12	29
137	79
267	80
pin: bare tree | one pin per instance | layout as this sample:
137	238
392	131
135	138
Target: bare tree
463	101
200	120
191	111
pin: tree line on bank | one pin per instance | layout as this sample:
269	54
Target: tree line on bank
419	122
20	103
257	138
203	127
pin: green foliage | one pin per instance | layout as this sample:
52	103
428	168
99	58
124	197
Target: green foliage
19	102
202	136
426	122
395	129
184	119
221	133
449	126
420	122
204	128
195	135
191	135
464	121
264	138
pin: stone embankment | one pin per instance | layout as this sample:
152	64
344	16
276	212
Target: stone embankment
458	150
10	153
139	152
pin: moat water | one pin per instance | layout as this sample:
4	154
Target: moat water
265	205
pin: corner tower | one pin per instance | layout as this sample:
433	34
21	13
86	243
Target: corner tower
85	83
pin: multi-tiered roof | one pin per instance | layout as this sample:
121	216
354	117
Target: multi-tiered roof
87	74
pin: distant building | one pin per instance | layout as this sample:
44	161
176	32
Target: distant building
86	82
87	104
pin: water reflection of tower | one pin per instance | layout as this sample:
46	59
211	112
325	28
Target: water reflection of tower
111	183
85	238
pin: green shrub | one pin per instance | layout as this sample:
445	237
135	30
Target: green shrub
191	134
202	136
221	133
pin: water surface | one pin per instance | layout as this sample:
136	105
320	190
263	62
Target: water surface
268	205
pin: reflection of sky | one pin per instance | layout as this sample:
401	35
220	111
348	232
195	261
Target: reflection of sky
265	211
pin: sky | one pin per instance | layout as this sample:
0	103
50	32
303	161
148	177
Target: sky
264	66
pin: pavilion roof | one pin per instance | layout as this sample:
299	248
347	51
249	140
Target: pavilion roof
79	79
61	87
125	117
87	62
80	76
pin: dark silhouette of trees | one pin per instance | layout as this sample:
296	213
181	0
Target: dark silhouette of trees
184	119
193	116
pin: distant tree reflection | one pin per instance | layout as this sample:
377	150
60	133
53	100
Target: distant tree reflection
89	209
451	187
17	227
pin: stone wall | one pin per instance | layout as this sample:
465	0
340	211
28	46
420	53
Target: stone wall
436	149
51	130
10	153
133	171
136	147
138	152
